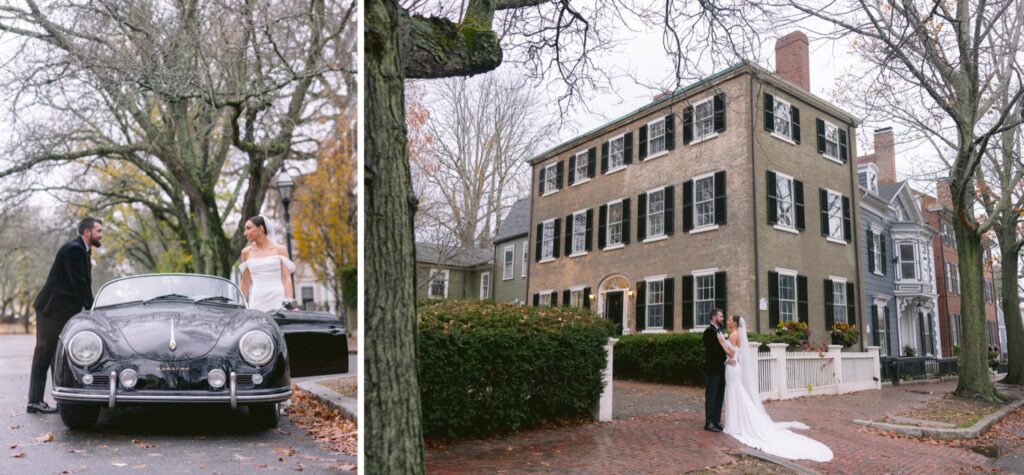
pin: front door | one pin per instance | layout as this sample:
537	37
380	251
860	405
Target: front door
317	342
613	309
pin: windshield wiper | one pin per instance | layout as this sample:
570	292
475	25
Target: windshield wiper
216	298
166	296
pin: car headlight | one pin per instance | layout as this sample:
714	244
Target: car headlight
257	348
85	348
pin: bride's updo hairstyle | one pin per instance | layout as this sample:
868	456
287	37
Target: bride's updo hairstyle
259	222
736	319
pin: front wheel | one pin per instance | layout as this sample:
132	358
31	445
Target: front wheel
264	416
79	416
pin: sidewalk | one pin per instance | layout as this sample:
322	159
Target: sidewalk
339	392
657	429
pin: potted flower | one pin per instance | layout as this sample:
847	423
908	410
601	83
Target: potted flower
845	334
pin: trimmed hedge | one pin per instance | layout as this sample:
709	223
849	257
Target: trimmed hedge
488	368
675	358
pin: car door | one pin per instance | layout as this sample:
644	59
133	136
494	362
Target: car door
317	342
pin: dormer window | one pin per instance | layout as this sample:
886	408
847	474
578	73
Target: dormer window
868	177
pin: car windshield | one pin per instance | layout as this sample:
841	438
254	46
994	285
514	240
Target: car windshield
146	288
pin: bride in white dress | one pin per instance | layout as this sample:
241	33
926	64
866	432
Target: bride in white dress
745	417
266	269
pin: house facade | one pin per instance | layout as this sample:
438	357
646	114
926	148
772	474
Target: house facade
511	252
900	292
737	192
446	272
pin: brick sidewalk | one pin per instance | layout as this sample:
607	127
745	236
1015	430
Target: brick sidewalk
658	430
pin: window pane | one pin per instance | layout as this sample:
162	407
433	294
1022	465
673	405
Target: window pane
835	215
784	200
656	137
582	167
615	224
705	297
656	213
550	178
655	304
831	141
704	189
782	118
579	232
907	264
704	123
787	298
615	157
548	244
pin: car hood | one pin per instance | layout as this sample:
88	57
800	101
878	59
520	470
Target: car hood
173	332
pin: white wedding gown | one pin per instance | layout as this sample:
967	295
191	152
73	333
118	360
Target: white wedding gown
267	291
748	422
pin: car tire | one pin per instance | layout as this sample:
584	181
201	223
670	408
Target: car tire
79	416
264	416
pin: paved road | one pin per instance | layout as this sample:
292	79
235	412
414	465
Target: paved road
202	440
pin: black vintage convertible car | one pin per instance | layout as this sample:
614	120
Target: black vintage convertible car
188	339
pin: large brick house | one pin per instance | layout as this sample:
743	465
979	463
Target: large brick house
738	192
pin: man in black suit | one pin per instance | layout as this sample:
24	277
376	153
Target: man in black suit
68	289
714	372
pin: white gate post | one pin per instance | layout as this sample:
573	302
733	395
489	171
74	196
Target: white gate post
874	351
603	411
835	352
779	385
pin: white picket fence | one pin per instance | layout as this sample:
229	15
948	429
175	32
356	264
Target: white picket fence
788	374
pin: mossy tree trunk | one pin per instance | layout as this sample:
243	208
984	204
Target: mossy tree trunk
1011	304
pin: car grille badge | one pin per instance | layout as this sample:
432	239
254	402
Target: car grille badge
172	345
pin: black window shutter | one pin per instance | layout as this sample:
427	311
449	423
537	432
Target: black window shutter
627	148
591	161
773	206
569	223
588	240
625	220
823	200
884	264
602	226
558	174
586	297
688	125
829	305
888	332
641	306
720	210
871	251
540	184
847	222
536	300
874	326
540	242
721	292
670	132
558	230
687	206
642	154
572	169
687	301
851	304
843	154
641	217
604	157
819	126
670	210
798	198
554	299
670	298
773	297
801	298
769	122
719	112
795	115
931	334
565	297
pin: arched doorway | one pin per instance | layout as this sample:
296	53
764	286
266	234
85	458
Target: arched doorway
612	299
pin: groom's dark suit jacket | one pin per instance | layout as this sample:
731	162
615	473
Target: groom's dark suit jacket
714	355
68	288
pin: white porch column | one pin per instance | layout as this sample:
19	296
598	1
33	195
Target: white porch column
779	384
603	411
874	351
835	352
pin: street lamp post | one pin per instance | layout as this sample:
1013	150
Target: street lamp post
285	185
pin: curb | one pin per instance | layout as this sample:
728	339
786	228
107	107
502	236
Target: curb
784	463
347	406
972	432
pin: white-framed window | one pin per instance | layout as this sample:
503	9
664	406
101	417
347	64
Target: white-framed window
576	297
839	302
704	118
869	177
581	173
545	297
876	251
616	159
783	118
831	141
908	263
526	249
784	202
438	284
656	304
579	232
704	298
787	297
655	213
948	270
655	137
485	286
835	215
551	178
614	223
704	201
509	264
308	299
547	246
880	323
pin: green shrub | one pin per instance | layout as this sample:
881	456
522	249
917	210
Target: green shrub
488	368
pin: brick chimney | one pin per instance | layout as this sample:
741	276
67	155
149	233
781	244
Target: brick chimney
885	156
792	60
942	191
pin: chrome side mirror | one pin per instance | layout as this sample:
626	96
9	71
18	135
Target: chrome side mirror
290	304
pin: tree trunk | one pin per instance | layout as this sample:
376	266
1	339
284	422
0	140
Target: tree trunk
974	380
1011	304
394	439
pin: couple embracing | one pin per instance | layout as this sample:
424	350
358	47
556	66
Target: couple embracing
731	371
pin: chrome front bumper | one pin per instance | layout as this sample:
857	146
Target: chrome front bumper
114	396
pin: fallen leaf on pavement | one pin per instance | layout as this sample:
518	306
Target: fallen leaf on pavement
47	437
76	451
101	446
18	455
242	458
281	451
143	445
262	465
119	464
15	427
348	467
14	446
299	468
